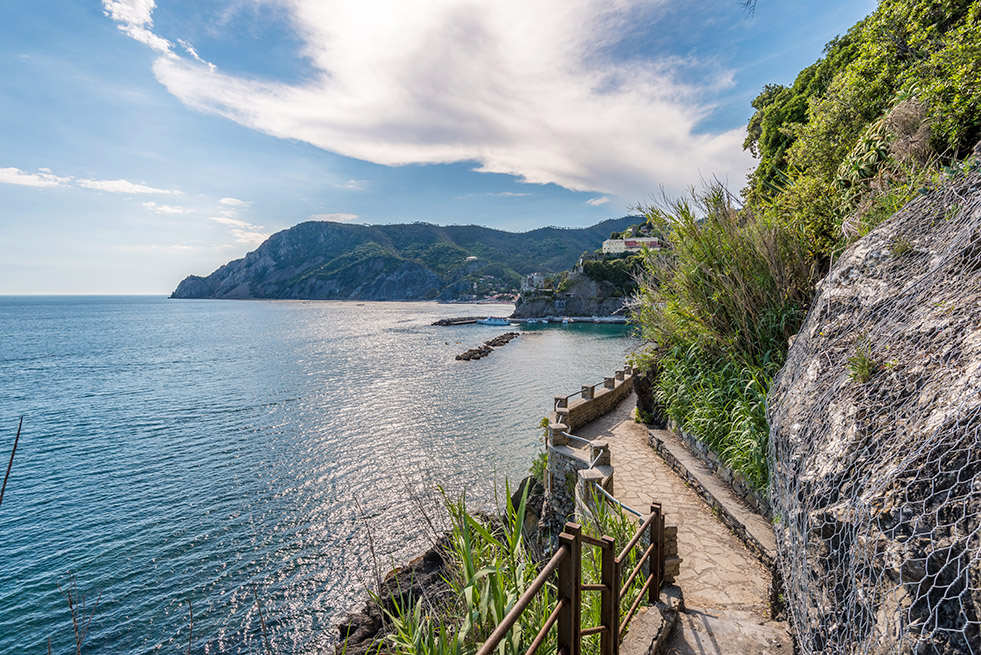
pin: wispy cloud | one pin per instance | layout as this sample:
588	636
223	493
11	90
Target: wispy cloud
135	18
233	222
44	178
354	185
189	49
436	81
242	231
596	202
122	186
336	218
234	202
166	209
249	237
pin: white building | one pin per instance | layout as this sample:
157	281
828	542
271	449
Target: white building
616	246
533	281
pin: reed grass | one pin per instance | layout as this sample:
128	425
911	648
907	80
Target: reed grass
491	566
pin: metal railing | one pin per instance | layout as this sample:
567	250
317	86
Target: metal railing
615	502
572	436
567	614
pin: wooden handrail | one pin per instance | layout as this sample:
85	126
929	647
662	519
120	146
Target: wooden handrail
637	535
567	614
561	553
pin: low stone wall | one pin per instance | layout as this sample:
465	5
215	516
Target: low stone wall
572	471
733	479
594	401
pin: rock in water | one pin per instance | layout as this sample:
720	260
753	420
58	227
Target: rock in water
875	440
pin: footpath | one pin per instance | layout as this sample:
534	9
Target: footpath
726	588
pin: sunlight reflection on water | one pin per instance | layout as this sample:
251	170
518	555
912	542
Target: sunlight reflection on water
179	451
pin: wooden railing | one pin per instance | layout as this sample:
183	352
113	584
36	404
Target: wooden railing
567	614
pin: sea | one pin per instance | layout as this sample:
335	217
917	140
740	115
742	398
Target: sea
190	471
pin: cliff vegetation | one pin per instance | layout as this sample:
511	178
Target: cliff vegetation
891	111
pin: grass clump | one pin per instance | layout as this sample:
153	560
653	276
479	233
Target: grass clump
862	365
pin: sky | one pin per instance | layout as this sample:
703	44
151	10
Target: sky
144	141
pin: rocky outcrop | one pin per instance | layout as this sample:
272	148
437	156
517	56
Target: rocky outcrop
581	297
875	440
487	347
327	260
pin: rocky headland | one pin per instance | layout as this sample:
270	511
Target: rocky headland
579	296
327	260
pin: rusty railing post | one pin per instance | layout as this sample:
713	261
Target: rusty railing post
575	529
656	567
609	598
567	635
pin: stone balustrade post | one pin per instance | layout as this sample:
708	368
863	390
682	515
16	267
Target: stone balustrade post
599	452
556	434
609	383
561	401
588	392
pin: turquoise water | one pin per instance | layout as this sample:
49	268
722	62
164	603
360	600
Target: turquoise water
181	452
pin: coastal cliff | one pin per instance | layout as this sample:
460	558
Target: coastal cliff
874	439
326	260
581	296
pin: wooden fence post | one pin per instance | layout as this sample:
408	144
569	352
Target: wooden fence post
575	530
610	598
569	619
656	567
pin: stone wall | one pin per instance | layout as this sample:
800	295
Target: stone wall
594	401
569	480
735	480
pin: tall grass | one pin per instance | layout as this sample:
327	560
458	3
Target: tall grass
719	310
491	567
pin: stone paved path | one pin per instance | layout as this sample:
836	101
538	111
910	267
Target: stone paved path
725	587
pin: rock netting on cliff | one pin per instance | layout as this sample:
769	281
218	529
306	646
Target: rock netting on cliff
875	440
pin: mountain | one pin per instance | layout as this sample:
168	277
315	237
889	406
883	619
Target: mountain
418	261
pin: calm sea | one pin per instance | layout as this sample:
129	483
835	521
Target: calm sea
188	452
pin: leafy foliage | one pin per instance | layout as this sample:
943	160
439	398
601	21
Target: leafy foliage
618	271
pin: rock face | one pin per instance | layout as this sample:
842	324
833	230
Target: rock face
583	297
326	260
875	440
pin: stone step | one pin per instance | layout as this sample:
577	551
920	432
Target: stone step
727	632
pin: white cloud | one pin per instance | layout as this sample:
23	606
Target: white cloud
336	218
189	49
135	18
166	209
234	202
233	222
596	202
249	237
354	185
42	179
435	81
122	186
46	179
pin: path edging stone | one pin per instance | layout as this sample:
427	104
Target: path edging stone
667	451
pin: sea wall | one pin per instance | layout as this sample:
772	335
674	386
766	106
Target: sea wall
594	401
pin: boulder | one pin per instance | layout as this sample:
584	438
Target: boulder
875	440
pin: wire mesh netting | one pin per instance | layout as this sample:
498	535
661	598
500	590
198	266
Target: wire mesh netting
875	441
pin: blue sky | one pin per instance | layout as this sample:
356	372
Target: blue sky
145	141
